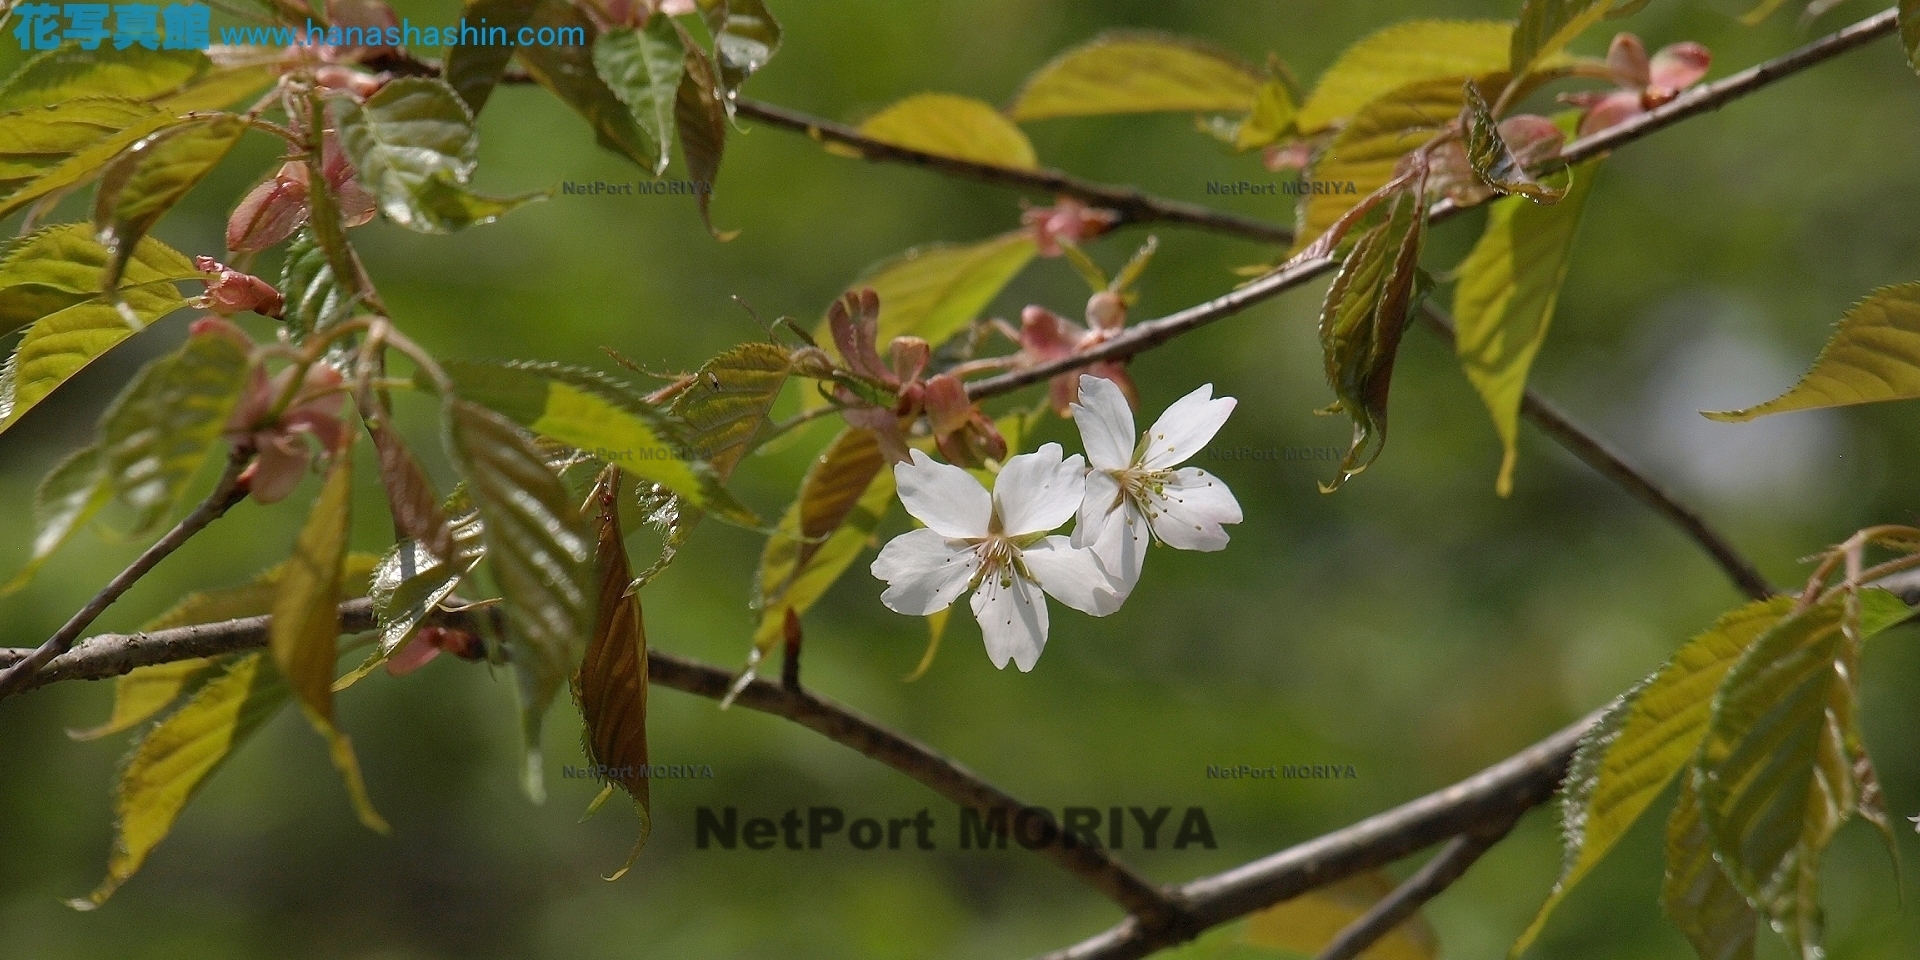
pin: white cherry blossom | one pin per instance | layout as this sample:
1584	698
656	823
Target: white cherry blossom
1133	486
996	545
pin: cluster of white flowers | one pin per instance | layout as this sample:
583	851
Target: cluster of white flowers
1000	545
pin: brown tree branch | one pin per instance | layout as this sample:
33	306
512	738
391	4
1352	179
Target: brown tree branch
19	674
1596	454
1450	864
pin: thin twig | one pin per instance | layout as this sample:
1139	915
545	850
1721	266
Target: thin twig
225	494
1596	454
1447	866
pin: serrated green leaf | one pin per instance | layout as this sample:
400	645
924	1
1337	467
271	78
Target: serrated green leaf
146	180
1547	26
540	552
139	695
1644	739
1365	312
1696	894
643	68
60	345
174	759
700	116
1872	357
1272	117
1492	161
70	73
1509	285
69	497
44	149
745	37
414	147
1138	72
949	125
728	400
305	630
568	72
408	584
1307	924
1404	54
1775	773
592	412
611	685
1365	153
157	434
60	266
314	301
474	69
845	495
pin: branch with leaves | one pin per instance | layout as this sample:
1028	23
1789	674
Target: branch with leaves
557	464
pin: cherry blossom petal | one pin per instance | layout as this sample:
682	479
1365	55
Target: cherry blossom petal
1122	548
1679	66
1097	505
1038	491
1185	427
1188	511
944	497
1013	620
1072	576
925	572
1106	424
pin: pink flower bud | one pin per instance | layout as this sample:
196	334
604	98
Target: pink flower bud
909	356
1106	311
230	291
282	454
1676	68
854	320
1627	61
1291	155
270	213
361	85
1068	219
1045	335
947	405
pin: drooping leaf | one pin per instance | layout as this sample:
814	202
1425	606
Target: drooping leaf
410	582
1307	924
1643	740
936	628
1364	155
1775	774
845	495
592	412
63	343
1272	117
949	125
69	497
568	72
700	115
728	400
410	495
44	149
1508	288
1696	894
1872	357
1403	54
745	37
474	69
1910	31
157	434
1547	26
155	173
1365	312
1138	72
303	638
140	695
414	147
174	759
1492	159
540	552
314	302
611	687
60	266
643	68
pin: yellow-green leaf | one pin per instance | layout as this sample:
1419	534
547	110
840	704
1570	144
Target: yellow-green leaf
949	125
843	498
69	497
174	759
1696	894
1776	772
1765	9
1136	72
1645	738
175	80
728	400
540	552
1272	117
44	149
63	343
306	624
1508	287
611	687
1547	26
1874	356
934	291
1403	54
157	434
146	180
1308	923
144	692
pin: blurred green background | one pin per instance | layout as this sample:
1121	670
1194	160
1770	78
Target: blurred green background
1413	625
